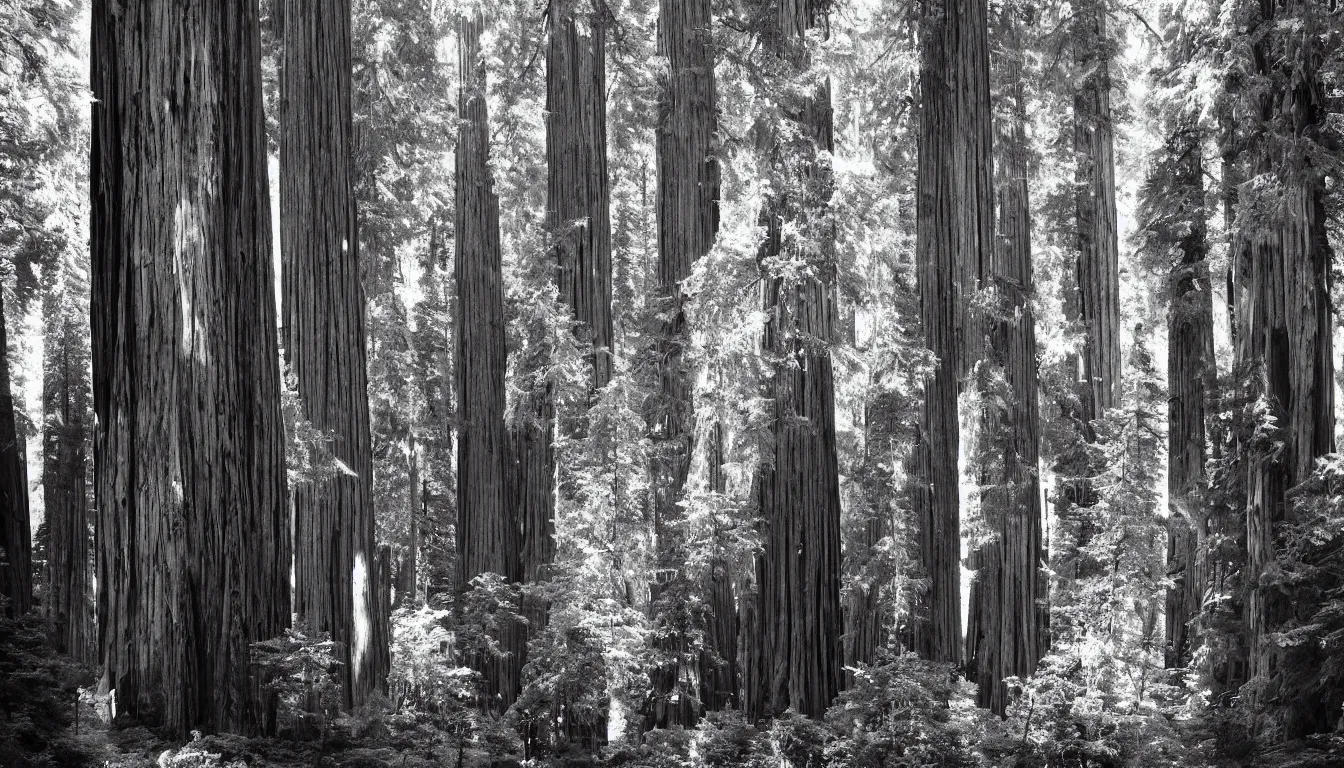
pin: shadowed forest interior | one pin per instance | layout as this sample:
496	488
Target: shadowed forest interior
670	383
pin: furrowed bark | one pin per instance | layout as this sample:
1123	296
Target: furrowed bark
578	199
1193	376
487	534
194	547
1285	330
954	248
334	546
1006	632
688	190
795	652
67	405
16	556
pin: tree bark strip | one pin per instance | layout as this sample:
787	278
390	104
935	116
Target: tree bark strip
194	547
487	534
334	545
16	537
688	191
795	653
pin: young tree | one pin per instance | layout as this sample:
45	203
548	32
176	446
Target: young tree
1006	628
954	248
194	546
334	557
794	655
688	190
487	533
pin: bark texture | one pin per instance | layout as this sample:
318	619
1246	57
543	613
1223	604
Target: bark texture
194	547
487	534
1284	322
1193	378
67	405
954	248
16	558
578	209
795	651
334	544
1006	630
688	191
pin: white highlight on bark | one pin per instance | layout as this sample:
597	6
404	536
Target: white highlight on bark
359	591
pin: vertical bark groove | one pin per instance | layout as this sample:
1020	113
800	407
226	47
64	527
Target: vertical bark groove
194	547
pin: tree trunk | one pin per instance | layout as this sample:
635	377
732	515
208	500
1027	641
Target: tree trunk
864	626
334	544
1093	301
67	405
688	191
1192	376
1284	334
194	547
1007	624
795	656
16	559
487	535
407	577
578	204
954	248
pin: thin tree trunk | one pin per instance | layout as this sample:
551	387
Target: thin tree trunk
487	534
67	401
795	655
16	557
194	547
334	545
1006	630
407	585
688	191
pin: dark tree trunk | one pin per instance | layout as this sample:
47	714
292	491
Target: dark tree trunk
1193	376
487	534
578	204
408	564
1284	327
954	248
1093	300
865	630
1007	623
16	559
67	407
795	653
334	545
194	547
688	191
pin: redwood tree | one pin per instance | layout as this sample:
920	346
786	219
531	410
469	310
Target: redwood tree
334	557
67	408
487	534
194	546
688	190
16	539
794	653
1006	629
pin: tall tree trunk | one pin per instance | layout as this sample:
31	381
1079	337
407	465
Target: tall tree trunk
67	404
1006	630
407	577
1285	328
1093	301
1193	377
16	558
864	626
954	248
688	192
795	656
578	199
487	535
194	546
334	544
